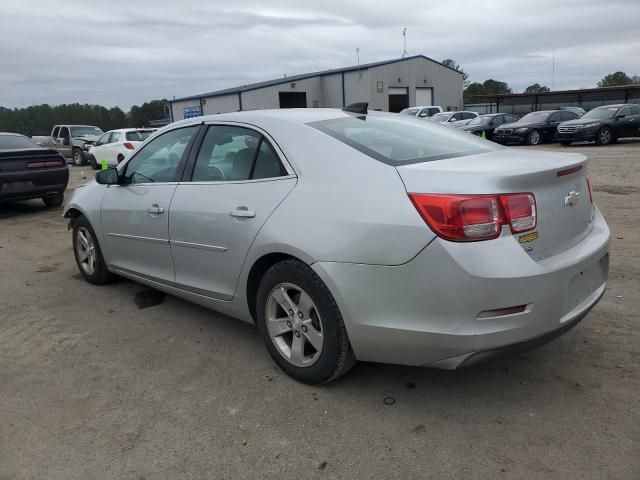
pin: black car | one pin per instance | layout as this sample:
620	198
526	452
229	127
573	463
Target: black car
534	128
602	125
487	123
28	170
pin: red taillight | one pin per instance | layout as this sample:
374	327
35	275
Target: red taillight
129	146
589	188
475	217
44	164
520	210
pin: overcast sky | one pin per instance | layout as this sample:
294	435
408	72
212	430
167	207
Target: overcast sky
125	52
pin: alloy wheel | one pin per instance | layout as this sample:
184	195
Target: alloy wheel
294	325
534	137
86	250
77	157
605	136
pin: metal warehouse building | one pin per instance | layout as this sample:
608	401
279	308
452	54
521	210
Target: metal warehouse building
389	86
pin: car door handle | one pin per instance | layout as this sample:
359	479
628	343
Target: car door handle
155	209
242	212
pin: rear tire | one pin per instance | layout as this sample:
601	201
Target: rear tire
52	201
604	136
88	253
313	321
533	137
78	157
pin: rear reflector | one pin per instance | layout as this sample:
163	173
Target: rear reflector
568	171
44	164
475	217
589	188
501	312
129	146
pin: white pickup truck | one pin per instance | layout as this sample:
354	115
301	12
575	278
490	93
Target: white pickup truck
72	141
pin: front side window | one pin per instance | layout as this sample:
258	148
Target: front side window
104	139
399	140
231	153
158	160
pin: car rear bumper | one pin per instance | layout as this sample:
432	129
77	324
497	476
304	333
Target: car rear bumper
427	312
32	184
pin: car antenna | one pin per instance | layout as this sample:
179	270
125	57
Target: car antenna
359	107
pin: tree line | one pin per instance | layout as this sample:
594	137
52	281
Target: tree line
472	90
39	119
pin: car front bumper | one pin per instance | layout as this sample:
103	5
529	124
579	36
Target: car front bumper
511	138
23	185
578	136
427	312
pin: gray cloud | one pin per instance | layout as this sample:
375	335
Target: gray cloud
123	52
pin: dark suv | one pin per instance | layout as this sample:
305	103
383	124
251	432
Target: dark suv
602	125
534	128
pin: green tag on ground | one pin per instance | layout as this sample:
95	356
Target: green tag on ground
104	164
484	135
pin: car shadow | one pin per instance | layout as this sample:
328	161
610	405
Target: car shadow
26	207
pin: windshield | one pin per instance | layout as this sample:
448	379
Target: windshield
410	111
139	135
399	140
534	117
16	142
85	131
441	117
480	120
601	112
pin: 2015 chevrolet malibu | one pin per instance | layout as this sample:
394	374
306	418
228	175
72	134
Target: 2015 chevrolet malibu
349	236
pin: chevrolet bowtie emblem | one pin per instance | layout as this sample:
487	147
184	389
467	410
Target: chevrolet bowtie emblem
571	199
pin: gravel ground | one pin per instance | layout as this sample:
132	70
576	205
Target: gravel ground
117	382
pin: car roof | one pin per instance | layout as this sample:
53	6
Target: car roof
616	105
126	130
12	134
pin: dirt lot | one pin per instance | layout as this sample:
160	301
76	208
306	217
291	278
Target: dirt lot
93	386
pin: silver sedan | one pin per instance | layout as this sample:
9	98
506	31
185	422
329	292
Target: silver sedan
347	236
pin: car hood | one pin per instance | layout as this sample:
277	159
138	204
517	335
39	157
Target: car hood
582	121
88	138
520	125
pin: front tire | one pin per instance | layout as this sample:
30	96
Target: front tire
533	137
78	157
94	162
88	253
604	136
301	324
52	201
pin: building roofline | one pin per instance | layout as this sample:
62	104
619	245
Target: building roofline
305	76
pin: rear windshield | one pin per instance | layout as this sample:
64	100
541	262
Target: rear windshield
138	135
410	111
16	142
400	140
534	117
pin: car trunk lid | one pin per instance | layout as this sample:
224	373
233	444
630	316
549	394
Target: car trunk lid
558	181
29	159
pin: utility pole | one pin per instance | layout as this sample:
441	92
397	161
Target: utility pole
404	38
553	69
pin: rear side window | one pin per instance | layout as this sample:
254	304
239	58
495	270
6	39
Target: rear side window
138	135
635	110
398	140
231	153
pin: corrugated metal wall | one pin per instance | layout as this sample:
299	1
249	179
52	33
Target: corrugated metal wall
222	104
268	97
359	86
177	108
418	72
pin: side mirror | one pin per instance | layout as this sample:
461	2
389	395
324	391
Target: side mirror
108	177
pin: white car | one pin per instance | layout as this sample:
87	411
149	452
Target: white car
424	111
454	119
116	145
